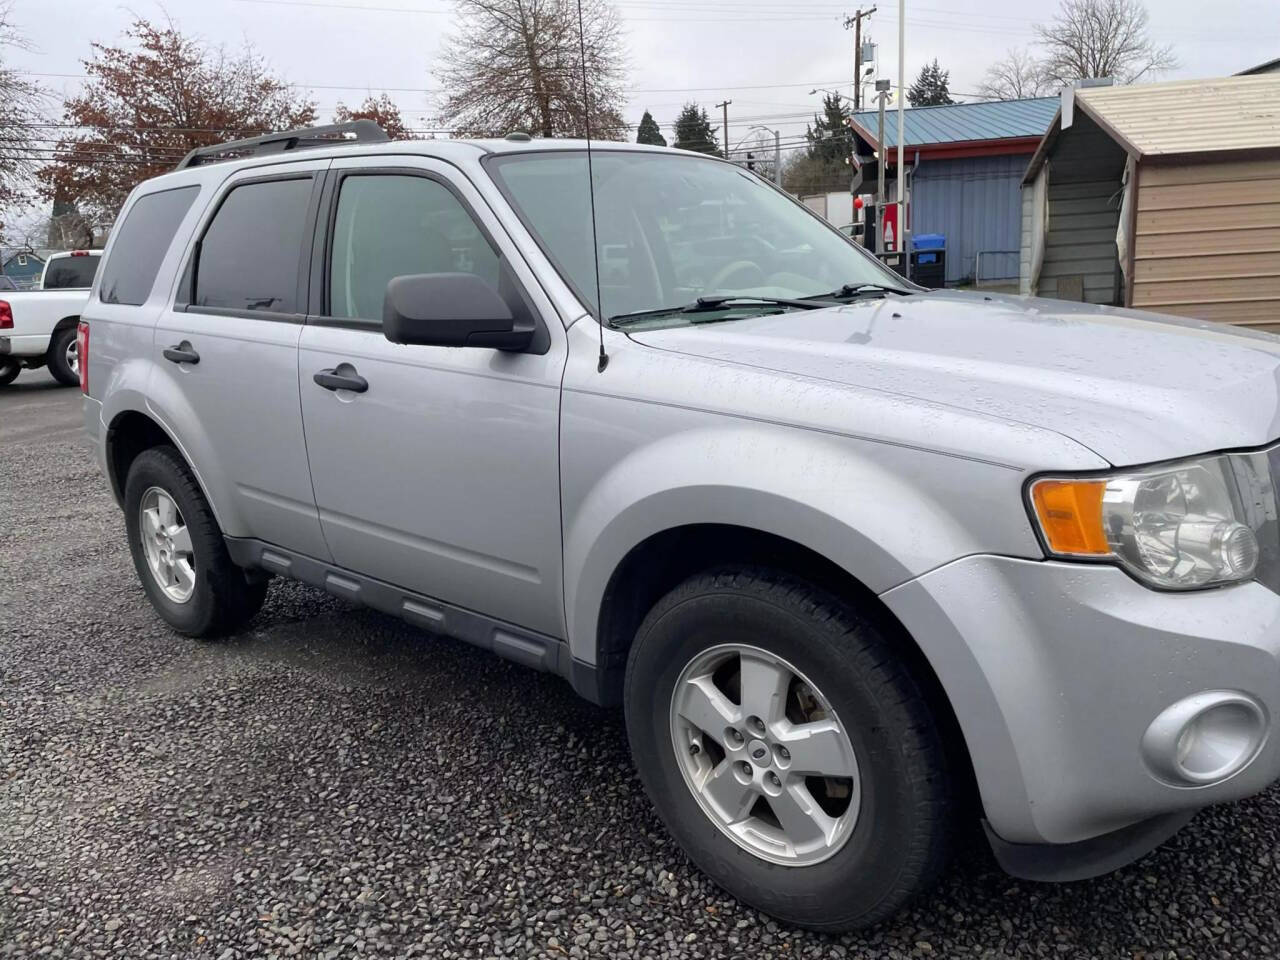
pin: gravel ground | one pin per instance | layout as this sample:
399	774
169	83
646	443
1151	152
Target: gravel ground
333	783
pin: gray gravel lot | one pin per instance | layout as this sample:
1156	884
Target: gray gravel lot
334	783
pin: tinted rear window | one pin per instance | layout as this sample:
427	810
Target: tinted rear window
67	273
249	255
141	244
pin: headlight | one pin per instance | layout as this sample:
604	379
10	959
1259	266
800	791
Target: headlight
1180	527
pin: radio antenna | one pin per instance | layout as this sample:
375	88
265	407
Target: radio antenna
591	186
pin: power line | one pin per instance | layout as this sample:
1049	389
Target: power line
779	15
378	87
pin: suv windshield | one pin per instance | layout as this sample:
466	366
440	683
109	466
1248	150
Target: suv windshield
71	272
672	228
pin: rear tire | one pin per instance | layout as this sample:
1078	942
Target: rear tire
9	370
840	679
209	596
63	342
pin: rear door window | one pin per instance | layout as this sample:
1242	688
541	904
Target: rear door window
70	273
141	243
249	255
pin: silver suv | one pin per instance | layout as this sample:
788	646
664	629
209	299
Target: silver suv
857	560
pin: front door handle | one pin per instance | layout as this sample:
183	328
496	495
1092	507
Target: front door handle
181	353
342	377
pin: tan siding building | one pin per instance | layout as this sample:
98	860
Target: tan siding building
1182	183
1228	267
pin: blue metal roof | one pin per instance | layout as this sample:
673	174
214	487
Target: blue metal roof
964	122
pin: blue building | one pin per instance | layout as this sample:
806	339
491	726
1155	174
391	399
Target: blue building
23	267
965	163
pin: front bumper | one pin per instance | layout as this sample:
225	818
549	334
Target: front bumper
1057	670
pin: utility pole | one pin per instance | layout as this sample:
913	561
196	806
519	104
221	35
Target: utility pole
725	106
882	94
777	158
856	22
902	135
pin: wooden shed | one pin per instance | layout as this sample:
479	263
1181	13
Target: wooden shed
1163	197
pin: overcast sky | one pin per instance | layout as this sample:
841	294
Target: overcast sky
764	55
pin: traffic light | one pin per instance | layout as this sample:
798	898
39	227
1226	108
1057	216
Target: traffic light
751	161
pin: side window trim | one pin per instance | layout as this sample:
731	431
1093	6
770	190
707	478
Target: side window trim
322	251
183	300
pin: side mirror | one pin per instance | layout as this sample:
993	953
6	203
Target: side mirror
450	310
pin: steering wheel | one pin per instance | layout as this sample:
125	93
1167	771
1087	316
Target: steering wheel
744	267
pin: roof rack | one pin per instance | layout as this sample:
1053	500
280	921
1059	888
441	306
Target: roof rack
337	134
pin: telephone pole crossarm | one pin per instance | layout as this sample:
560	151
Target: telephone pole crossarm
856	22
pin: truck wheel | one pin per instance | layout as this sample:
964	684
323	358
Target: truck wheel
788	749
179	552
9	370
63	358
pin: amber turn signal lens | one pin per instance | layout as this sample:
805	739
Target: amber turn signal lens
1070	515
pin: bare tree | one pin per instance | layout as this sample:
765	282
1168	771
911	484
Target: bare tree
517	65
756	152
1017	76
1102	38
22	103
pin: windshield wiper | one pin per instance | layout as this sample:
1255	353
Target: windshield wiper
728	301
858	289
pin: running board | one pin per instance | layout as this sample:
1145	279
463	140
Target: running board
530	649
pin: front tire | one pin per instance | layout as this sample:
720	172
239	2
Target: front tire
179	552
788	749
62	359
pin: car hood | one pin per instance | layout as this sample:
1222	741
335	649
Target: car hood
1133	387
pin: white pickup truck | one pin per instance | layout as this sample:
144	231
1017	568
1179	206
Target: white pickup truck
38	327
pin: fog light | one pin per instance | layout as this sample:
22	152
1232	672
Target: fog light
1206	738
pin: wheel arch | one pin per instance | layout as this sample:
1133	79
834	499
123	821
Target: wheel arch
129	433
64	323
662	561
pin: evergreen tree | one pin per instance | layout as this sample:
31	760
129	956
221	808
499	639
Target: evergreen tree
823	166
830	138
693	130
930	88
650	132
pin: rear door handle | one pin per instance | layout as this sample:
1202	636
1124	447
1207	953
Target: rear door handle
342	377
181	353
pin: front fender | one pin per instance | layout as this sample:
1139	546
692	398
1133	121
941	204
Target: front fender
883	513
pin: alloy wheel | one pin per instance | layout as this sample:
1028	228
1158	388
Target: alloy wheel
765	755
166	544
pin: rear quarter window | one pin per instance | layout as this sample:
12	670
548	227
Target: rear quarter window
141	243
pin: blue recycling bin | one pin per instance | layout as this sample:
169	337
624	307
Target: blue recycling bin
929	254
